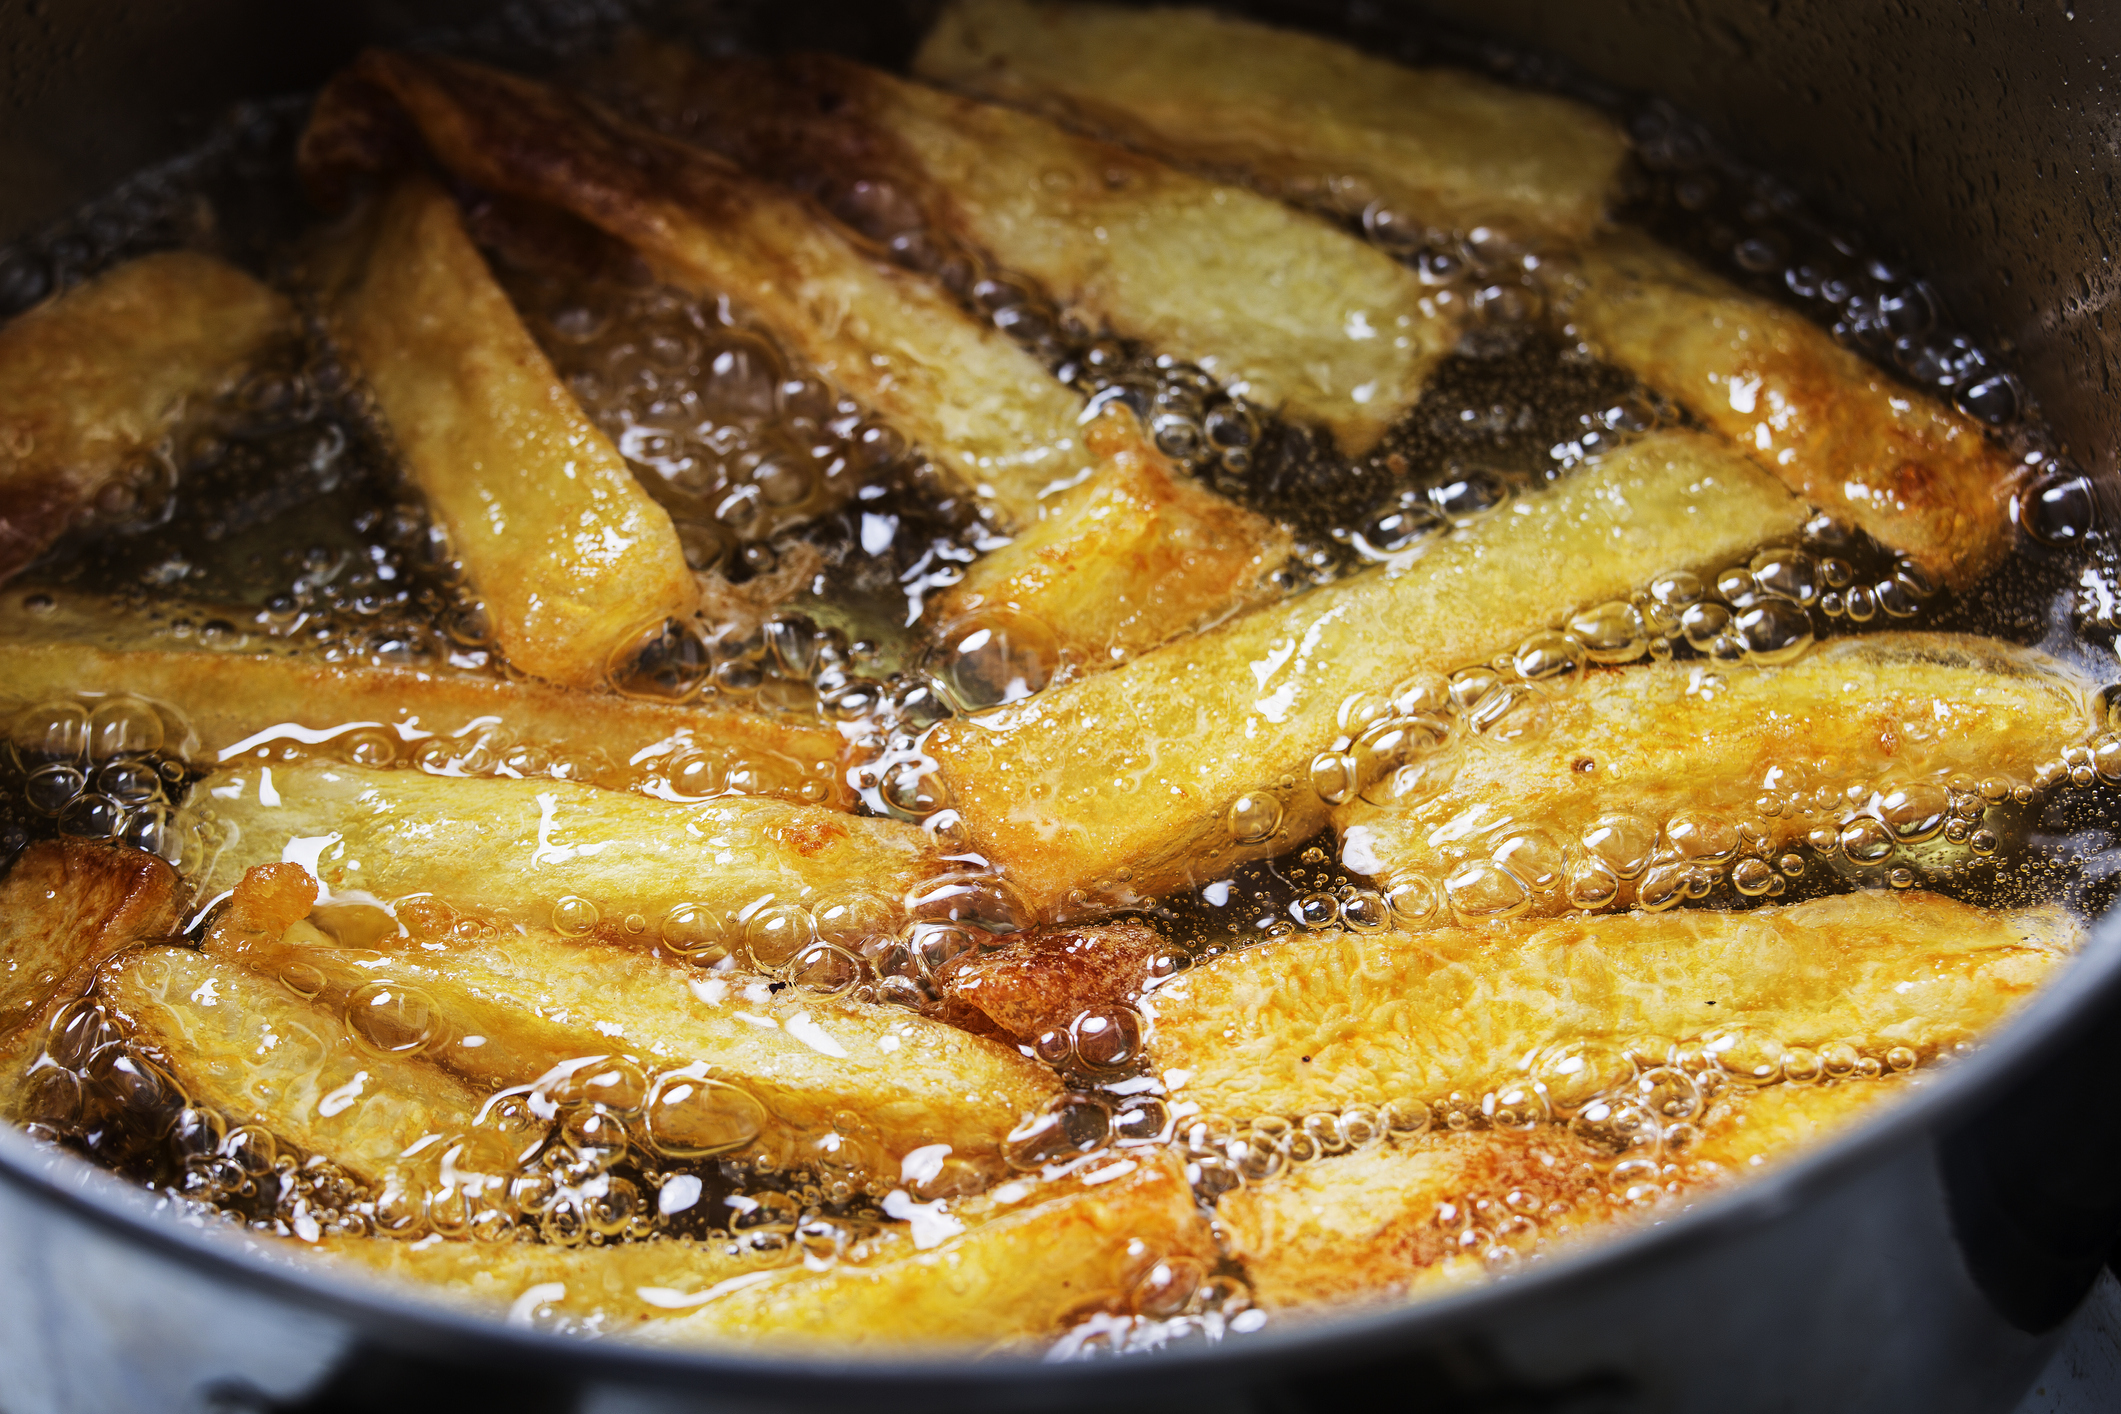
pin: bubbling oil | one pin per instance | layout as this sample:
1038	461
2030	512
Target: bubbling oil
277	516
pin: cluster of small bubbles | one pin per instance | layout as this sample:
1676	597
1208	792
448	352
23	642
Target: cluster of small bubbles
738	440
99	768
1755	227
1173	1299
1078	1127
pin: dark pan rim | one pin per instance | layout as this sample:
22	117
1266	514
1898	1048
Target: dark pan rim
2073	1001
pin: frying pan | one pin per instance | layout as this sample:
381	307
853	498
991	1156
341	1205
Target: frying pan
1923	1262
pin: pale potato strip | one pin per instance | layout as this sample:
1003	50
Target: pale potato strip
94	378
241	704
512	849
1367	1225
1301	318
1320	1022
1004	1282
1137	769
513	1006
1658	741
970	398
571	556
1917	475
1302	115
1143	555
249	1049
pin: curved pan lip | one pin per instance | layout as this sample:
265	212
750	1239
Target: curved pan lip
2090	984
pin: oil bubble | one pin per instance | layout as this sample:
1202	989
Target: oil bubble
123	726
1744	1054
691	929
1254	818
1916	812
1774	631
825	969
1109	1038
1611	633
1624	842
1575	1073
775	934
689	1116
1480	891
574	916
665	660
49	733
394	1019
993	657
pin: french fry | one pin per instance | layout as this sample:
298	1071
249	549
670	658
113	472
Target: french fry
1001	1269
1302	115
1279	305
570	554
65	906
982	407
1390	1222
513	850
517	1006
249	1049
1918	476
1665	744
1140	768
1323	1021
1006	1281
1043	981
92	380
1144	555
238	704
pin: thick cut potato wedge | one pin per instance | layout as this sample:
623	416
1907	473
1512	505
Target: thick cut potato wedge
65	906
1304	116
1138	769
511	1008
1143	555
249	1049
1002	1269
1281	307
1917	475
92	380
570	554
1390	1222
1006	1281
238	705
513	850
964	392
1671	747
1323	1021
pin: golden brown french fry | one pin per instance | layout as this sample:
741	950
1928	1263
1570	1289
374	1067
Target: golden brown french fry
973	400
241	703
249	1049
1668	755
570	554
635	869
1043	981
65	906
91	380
514	1007
1143	555
1003	1268
1125	783
1319	1022
1008	1280
1917	475
1296	315
1398	1221
1303	115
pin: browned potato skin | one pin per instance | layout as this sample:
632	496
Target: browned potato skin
983	408
1365	1226
509	850
1654	739
1916	474
1008	1281
65	906
1144	555
1136	768
1042	981
229	697
534	1000
1315	1023
1308	320
1292	110
569	553
250	1049
94	377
